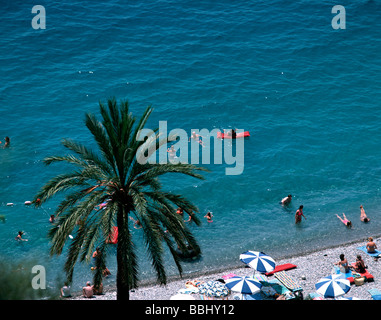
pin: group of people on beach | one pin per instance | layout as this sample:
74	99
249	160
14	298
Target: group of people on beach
89	290
359	266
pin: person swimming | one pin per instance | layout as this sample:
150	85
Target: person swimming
209	216
172	152
286	200
180	211
7	142
196	137
363	216
19	236
345	220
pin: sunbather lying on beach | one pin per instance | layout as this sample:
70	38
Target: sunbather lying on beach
344	220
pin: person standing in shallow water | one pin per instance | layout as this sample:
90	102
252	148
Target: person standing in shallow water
299	214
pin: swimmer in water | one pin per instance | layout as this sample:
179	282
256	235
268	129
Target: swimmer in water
7	142
196	137
345	220
19	236
171	151
180	211
209	216
286	200
363	216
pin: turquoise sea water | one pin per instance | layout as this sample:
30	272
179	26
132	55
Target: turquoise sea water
309	95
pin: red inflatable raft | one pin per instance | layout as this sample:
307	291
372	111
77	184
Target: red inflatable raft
222	135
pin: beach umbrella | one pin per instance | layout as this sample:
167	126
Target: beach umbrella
245	285
182	296
213	289
259	261
333	286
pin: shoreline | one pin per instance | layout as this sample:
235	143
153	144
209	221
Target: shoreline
311	266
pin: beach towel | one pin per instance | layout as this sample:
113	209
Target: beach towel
228	276
274	285
368	277
260	278
287	281
281	267
375	293
376	254
255	296
316	296
269	291
348	275
187	290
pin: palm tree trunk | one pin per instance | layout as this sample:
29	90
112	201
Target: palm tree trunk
122	276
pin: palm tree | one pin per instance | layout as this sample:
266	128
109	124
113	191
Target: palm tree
126	187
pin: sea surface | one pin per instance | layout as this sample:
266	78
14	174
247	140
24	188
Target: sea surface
308	94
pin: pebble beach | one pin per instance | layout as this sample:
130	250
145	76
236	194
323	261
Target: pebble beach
310	268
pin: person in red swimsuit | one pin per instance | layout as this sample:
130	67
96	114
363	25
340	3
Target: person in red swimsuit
299	214
345	220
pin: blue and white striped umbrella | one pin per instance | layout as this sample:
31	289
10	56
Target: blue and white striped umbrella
332	286
258	261
246	285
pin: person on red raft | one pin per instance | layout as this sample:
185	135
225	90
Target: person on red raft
232	133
